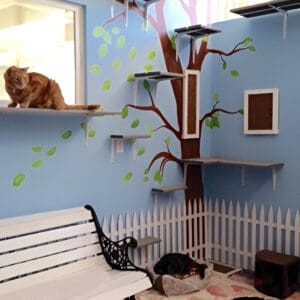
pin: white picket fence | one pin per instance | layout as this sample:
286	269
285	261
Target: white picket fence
212	231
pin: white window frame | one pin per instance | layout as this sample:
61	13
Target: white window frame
275	111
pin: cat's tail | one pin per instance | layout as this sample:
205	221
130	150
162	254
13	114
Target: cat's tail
82	107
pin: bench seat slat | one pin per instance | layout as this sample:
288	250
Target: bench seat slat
87	284
24	225
51	274
49	261
11	258
46	236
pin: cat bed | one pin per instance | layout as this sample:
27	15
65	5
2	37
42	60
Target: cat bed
172	285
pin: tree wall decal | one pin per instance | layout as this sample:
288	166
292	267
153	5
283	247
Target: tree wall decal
190	148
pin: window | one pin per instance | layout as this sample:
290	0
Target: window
47	37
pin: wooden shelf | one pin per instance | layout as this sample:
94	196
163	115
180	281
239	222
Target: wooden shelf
155	77
265	8
223	161
195	32
158	76
270	7
53	112
130	137
146	241
170	188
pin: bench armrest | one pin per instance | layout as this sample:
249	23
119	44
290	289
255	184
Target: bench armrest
116	252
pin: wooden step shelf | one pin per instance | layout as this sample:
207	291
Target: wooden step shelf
243	164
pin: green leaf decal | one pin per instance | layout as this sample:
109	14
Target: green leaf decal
131	78
107	37
146	85
124	112
117	65
98	31
158	177
148	68
37	164
121	42
216	98
248	40
92	133
66	135
52	151
95	69
146	171
252	48
168	141
115	30
135	123
37	149
106	85
149	128
152	55
127	177
141	151
173	41
103	50
83	126
146	179
224	65
207	123
132	53
241	111
234	73
19	180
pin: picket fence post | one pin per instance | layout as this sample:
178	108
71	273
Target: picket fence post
222	232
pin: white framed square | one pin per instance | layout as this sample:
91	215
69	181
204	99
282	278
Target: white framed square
261	111
191	104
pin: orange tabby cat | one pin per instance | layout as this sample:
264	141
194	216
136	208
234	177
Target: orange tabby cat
36	90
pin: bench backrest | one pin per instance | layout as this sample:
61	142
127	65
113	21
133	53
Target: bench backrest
44	245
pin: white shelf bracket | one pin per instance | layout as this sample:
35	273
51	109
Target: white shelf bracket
86	130
136	87
112	4
117	146
285	18
134	149
274	178
177	44
243	172
126	13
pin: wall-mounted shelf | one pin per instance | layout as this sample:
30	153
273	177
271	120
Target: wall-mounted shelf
195	32
270	7
146	4
86	114
213	161
117	143
156	77
53	112
265	8
169	188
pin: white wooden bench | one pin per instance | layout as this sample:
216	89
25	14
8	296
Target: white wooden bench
65	255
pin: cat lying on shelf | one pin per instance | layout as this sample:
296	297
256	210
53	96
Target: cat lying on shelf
35	90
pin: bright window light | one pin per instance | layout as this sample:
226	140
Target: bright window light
41	35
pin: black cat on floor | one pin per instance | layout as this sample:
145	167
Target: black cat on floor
178	264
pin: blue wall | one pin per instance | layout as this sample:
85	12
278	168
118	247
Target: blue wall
275	64
77	173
